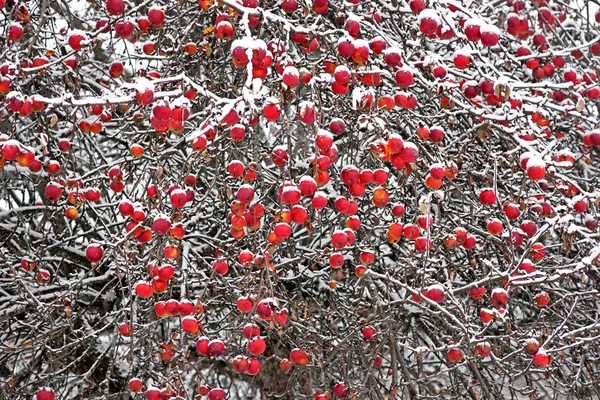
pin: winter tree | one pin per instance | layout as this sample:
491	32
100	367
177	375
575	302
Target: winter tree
295	199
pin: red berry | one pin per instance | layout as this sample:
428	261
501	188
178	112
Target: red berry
135	385
499	298
93	253
115	7
298	356
404	78
487	197
477	293
541	359
143	289
44	393
428	22
216	394
454	355
256	346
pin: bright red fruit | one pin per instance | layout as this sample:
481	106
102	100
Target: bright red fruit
428	21
541	359
298	356
454	355
216	394
115	7
487	197
135	385
44	393
404	78
435	293
499	298
256	346
143	289
93	253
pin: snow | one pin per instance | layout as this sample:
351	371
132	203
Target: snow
428	13
342	68
535	162
140	85
437	286
445	28
361	43
224	23
488	28
394	136
304	71
182	102
464	51
11	142
407	68
357	96
287	189
350	167
244	43
392	50
473	22
54	183
271	100
304	106
292	71
565	153
377	39
258	44
306	178
301	164
78	32
411	145
526	155
13	94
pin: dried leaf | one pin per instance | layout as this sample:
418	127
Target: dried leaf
498	90
580	104
53	120
567	242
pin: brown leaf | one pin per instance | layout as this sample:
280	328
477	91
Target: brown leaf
580	104
53	120
498	90
567	242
